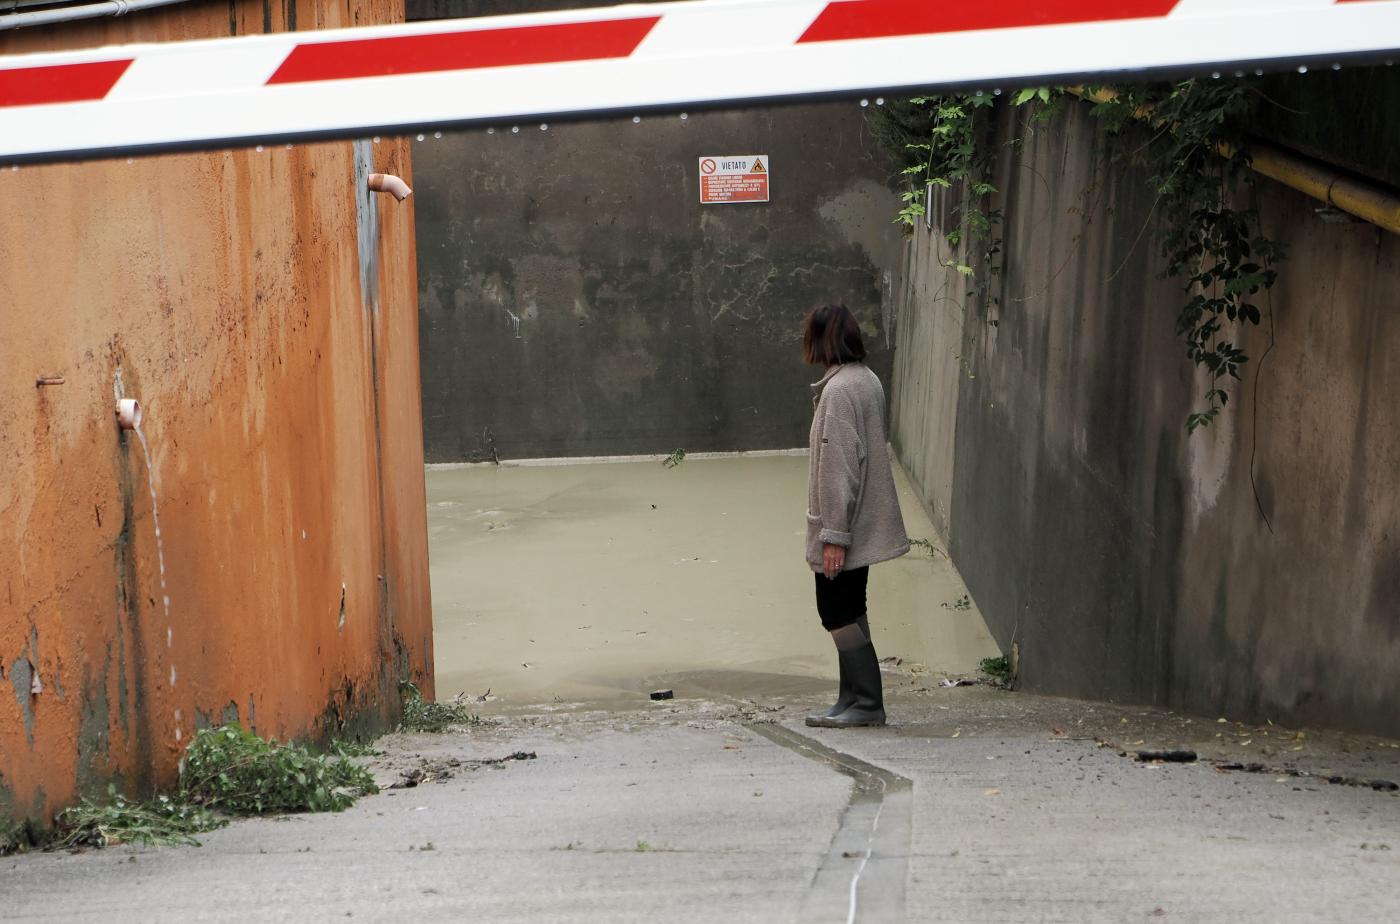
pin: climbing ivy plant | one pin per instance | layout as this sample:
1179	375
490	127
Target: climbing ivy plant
1194	156
938	140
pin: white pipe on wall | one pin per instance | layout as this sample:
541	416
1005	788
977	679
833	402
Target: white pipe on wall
387	182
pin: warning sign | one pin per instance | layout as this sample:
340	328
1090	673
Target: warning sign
734	178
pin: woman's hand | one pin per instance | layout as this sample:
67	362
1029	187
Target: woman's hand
833	560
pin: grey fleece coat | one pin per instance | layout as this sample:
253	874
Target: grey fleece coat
851	499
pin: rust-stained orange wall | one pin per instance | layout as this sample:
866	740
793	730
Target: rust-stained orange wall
224	291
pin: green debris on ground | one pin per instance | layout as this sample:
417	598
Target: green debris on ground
118	820
11	836
343	748
999	669
226	772
925	544
674	459
233	770
422	715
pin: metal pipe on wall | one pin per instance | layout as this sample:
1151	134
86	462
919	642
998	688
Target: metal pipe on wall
74	13
1368	201
1356	197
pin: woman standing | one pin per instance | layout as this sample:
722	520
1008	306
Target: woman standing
853	518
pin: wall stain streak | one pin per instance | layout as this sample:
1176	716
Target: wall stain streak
1128	560
279	375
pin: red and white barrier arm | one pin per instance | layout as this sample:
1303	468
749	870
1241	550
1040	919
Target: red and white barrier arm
347	82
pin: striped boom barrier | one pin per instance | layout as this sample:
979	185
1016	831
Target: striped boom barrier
349	82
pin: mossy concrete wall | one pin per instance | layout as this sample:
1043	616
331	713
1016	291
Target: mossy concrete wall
1044	423
577	299
263	308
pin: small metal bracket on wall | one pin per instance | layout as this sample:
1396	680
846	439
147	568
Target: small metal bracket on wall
1332	215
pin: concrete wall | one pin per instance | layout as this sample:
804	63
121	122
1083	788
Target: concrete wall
1044	425
276	357
577	299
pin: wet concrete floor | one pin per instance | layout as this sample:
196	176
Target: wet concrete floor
601	581
974	805
578	799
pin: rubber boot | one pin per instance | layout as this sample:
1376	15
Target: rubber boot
845	696
862	668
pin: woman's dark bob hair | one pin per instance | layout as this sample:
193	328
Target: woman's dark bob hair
831	336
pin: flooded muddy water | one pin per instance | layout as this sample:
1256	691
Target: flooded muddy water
593	581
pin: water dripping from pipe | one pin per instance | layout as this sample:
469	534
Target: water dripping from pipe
155	517
160	545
